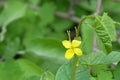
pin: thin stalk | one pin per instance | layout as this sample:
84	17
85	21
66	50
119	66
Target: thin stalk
80	23
74	68
68	32
77	35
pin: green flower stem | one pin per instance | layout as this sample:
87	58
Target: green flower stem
74	68
68	32
80	23
77	35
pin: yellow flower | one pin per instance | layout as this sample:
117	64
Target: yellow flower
72	48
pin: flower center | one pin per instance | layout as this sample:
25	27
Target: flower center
72	48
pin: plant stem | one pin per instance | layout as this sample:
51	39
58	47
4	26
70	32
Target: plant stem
74	68
68	32
77	35
80	23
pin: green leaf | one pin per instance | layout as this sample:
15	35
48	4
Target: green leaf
89	7
100	45
117	72
10	71
110	9
102	72
29	68
87	40
13	10
92	78
11	48
44	63
109	26
92	59
100	58
96	69
46	13
19	70
61	25
105	75
116	46
31	78
47	76
103	35
47	48
35	2
65	72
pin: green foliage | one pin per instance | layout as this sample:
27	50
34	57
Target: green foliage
30	69
102	72
47	76
108	22
46	49
11	49
31	34
35	2
105	75
117	72
87	6
103	35
87	40
12	11
18	70
10	68
43	13
100	58
66	70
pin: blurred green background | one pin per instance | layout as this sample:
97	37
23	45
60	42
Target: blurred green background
31	32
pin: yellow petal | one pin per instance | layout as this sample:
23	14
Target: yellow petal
66	44
76	43
69	54
78	51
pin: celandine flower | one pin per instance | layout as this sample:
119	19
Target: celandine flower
72	48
